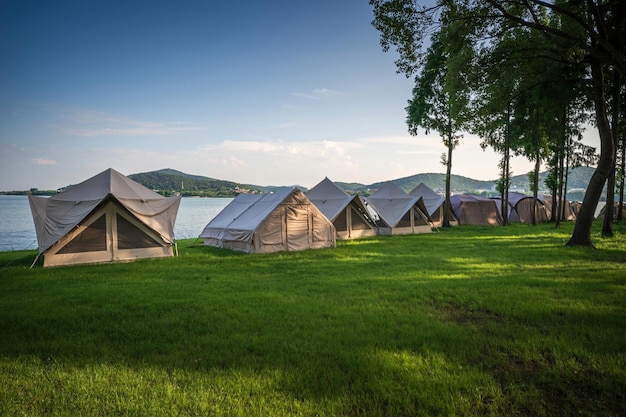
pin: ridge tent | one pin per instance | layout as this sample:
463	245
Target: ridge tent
471	209
106	218
282	221
434	204
521	208
398	212
347	213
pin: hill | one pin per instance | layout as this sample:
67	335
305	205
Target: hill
169	181
578	180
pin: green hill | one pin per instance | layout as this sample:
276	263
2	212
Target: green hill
169	181
578	180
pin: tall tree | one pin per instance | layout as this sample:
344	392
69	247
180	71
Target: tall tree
435	103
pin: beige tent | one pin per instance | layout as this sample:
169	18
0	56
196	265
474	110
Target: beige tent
568	213
348	213
616	208
434	204
398	213
282	221
471	209
521	208
106	218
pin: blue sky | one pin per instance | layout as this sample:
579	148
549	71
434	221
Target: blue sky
261	92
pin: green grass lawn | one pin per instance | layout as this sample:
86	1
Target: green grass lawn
465	322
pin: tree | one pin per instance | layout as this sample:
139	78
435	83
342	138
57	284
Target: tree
433	106
588	33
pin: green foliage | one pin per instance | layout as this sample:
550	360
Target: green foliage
470	321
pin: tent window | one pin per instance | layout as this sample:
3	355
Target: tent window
437	215
92	239
406	220
340	221
357	221
419	220
130	236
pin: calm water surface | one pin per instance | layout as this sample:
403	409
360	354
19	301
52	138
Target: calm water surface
17	230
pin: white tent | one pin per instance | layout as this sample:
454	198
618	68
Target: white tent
348	214
106	218
401	213
434	204
282	221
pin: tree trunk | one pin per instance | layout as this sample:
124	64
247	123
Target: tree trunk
448	206
620	211
506	181
581	236
561	163
607	226
566	173
536	186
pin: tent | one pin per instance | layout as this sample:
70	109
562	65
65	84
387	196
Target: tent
106	218
282	221
548	203
398	213
521	208
616	208
471	209
348	213
434	204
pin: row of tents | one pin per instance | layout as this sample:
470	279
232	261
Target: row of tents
110	217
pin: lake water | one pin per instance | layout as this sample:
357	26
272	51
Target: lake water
17	230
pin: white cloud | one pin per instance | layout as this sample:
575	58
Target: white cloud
44	161
317	94
307	96
325	91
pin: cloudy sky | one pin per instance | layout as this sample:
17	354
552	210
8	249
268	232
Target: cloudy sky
275	92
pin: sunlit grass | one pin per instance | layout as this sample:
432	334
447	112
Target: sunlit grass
468	321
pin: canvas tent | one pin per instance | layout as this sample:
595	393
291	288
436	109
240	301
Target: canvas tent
568	213
398	213
616	208
347	213
434	204
470	209
521	208
106	218
282	221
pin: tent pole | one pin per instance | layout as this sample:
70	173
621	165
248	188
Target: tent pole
35	261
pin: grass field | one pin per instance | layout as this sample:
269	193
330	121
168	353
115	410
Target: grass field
470	321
